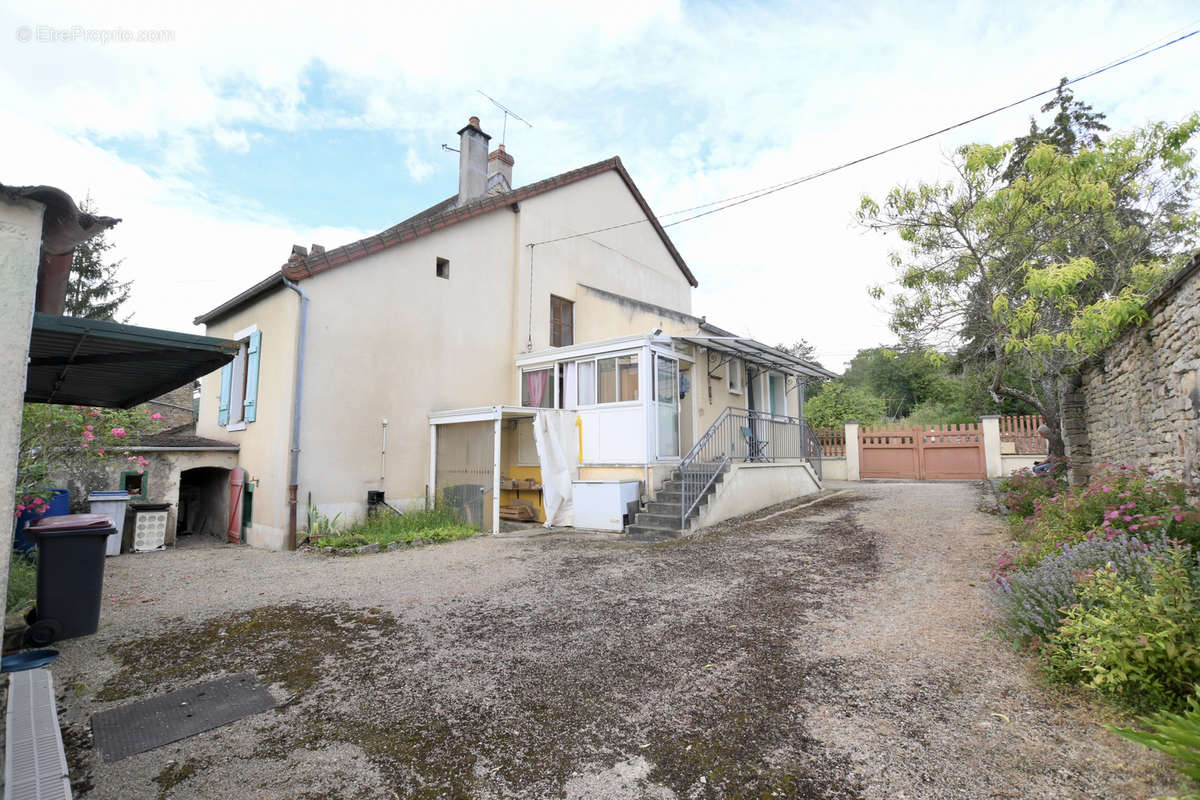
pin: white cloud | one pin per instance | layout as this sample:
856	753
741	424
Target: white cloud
234	141
418	168
701	101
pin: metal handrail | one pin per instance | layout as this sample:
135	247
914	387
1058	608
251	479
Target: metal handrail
739	433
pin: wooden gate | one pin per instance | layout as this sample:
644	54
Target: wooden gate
931	452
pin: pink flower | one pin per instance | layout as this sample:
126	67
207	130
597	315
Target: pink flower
88	427
140	471
118	432
1179	518
101	452
1127	518
20	508
85	445
156	416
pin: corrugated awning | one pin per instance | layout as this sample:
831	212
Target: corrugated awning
756	352
99	363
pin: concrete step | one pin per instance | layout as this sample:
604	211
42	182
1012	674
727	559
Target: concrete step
668	497
650	520
644	533
663	507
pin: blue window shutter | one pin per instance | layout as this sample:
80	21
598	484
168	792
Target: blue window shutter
252	376
223	401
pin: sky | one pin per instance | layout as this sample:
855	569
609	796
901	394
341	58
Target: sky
224	133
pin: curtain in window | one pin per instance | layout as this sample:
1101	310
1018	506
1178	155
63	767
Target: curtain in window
537	382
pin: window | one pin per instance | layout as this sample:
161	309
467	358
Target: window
443	268
238	401
616	379
587	382
536	388
135	484
778	395
627	378
562	322
734	368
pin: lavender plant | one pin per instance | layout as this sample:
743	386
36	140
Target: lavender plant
1031	602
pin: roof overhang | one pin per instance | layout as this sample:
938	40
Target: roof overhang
100	363
480	414
266	285
756	352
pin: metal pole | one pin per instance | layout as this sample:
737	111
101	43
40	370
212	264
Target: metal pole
496	474
294	455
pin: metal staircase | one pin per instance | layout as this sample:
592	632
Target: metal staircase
737	434
663	517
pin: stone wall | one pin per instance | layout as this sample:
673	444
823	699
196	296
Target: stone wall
176	407
1140	404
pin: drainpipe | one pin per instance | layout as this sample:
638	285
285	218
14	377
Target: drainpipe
294	454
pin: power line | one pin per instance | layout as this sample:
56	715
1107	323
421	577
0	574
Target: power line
746	197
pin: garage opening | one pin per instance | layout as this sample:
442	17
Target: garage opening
203	502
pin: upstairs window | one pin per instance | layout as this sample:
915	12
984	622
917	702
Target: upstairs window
238	401
443	268
562	322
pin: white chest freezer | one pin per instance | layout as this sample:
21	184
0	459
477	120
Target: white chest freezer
602	505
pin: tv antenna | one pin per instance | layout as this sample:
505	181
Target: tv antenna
508	112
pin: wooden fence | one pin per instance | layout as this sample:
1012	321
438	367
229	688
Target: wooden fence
926	452
1019	436
833	441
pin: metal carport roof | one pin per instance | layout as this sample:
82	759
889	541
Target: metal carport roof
100	363
759	353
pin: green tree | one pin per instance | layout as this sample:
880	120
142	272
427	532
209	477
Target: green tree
1042	272
93	291
801	349
902	379
836	402
1073	127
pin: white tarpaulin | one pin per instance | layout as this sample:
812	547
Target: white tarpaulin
553	433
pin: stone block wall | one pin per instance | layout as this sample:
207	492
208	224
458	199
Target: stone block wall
176	407
1140	404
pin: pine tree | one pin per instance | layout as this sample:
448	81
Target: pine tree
93	291
1075	126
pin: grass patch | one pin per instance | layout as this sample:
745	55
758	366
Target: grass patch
22	582
436	525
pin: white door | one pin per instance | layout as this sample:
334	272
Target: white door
666	405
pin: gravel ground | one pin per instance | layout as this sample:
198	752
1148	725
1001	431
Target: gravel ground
835	651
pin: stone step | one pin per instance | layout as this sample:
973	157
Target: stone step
663	507
668	497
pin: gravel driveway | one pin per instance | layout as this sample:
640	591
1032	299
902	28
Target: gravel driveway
834	651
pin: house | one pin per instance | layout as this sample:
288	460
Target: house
411	365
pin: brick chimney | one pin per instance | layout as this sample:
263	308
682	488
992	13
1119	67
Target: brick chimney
472	162
500	166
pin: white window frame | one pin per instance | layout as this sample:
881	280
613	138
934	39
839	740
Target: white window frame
237	383
553	370
735	382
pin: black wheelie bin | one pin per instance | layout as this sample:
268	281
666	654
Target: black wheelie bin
70	576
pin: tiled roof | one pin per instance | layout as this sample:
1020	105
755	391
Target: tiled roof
181	436
436	217
445	214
